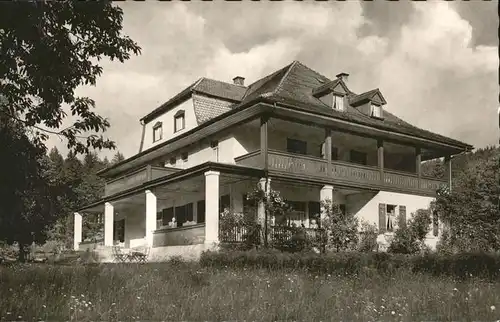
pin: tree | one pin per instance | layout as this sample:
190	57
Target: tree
118	157
341	228
27	210
47	50
471	211
410	236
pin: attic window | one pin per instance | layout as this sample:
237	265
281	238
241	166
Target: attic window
157	131
376	111
179	121
338	103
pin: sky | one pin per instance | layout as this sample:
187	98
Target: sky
436	63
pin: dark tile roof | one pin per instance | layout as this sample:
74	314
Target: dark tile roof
360	98
220	89
294	85
214	88
206	108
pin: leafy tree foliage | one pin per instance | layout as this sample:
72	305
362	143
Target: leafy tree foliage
118	157
341	228
27	210
410	236
47	50
470	212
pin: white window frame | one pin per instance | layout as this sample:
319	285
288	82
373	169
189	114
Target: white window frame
157	132
338	103
179	116
376	111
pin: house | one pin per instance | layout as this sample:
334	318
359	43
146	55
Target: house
307	136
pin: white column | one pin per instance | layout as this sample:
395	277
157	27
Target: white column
211	207
325	194
150	217
108	224
77	231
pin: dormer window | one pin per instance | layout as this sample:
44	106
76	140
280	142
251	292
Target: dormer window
376	111
179	121
157	131
338	103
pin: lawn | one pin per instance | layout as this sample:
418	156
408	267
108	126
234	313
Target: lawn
179	291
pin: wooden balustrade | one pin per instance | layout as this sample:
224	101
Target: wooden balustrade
307	166
127	181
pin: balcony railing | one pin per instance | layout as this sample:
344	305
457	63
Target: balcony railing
340	172
136	178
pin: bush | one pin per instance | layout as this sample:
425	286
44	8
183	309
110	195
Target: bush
409	237
368	237
482	265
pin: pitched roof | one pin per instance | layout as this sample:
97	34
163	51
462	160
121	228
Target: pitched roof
211	87
361	98
294	85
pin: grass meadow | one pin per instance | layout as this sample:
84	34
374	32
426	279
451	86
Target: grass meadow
175	291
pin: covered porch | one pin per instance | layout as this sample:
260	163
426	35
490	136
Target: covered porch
180	210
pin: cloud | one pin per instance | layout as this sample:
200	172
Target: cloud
424	60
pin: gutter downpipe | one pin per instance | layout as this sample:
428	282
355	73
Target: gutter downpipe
142	136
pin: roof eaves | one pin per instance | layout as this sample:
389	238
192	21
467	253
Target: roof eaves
235	109
183	95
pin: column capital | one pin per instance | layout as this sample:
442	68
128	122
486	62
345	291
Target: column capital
149	192
108	204
77	213
327	187
212	173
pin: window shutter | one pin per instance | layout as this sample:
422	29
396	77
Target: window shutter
381	218
402	215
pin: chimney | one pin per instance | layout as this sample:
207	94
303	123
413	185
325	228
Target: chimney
343	76
238	80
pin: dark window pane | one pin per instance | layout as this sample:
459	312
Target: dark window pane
358	157
189	212
168	214
200	211
296	146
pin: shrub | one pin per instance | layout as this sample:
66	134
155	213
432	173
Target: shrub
368	237
341	228
409	237
466	265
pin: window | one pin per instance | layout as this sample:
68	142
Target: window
358	157
172	161
297	214
314	214
224	202
167	215
179	121
119	230
335	152
296	146
339	103
376	111
200	211
184	157
157	132
390	217
215	148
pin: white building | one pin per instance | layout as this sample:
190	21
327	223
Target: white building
206	147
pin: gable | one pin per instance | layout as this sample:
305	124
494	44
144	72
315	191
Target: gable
378	99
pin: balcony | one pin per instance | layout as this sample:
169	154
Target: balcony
136	178
340	173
